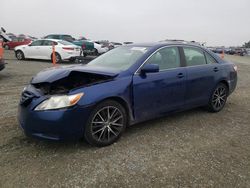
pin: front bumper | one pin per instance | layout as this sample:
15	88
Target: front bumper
64	124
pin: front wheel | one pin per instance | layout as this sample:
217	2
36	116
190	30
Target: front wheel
106	124
219	98
19	55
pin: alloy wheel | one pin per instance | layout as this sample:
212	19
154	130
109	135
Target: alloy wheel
19	55
219	97
107	124
58	58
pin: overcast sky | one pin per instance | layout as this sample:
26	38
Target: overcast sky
217	22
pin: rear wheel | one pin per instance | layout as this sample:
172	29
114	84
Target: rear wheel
219	98
106	124
20	55
58	57
6	47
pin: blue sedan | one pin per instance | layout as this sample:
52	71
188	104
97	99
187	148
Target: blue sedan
127	85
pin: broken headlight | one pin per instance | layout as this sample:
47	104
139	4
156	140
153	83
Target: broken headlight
57	102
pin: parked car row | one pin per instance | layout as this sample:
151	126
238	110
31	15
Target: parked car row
66	47
88	47
230	51
30	47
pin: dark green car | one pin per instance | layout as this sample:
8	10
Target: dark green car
87	47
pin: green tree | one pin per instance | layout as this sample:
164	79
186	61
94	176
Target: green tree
247	45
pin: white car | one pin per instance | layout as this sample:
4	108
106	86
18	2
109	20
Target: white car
100	49
42	49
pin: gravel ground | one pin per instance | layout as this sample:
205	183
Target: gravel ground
188	149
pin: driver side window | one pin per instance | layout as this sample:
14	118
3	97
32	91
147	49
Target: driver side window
37	43
166	58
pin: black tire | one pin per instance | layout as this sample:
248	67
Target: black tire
84	54
6	47
218	98
102	131
58	58
19	55
96	52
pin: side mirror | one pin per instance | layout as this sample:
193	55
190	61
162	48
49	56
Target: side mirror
150	68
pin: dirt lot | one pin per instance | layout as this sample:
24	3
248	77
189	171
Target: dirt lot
189	149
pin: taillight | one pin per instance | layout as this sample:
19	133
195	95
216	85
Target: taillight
68	48
235	68
83	46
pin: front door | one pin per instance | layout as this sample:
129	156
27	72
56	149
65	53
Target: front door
163	91
33	50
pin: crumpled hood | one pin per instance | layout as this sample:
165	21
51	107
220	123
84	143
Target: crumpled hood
56	73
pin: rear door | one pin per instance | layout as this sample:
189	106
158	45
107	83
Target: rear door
202	73
163	91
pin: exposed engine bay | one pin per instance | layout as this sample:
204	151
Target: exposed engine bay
74	80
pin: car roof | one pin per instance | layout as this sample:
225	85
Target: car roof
59	35
166	43
54	40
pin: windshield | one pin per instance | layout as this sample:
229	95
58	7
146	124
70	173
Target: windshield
119	58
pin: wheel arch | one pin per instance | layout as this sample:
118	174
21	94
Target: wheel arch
56	52
19	50
224	82
124	104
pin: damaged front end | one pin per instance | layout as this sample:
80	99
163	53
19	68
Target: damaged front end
73	81
50	106
63	79
60	81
